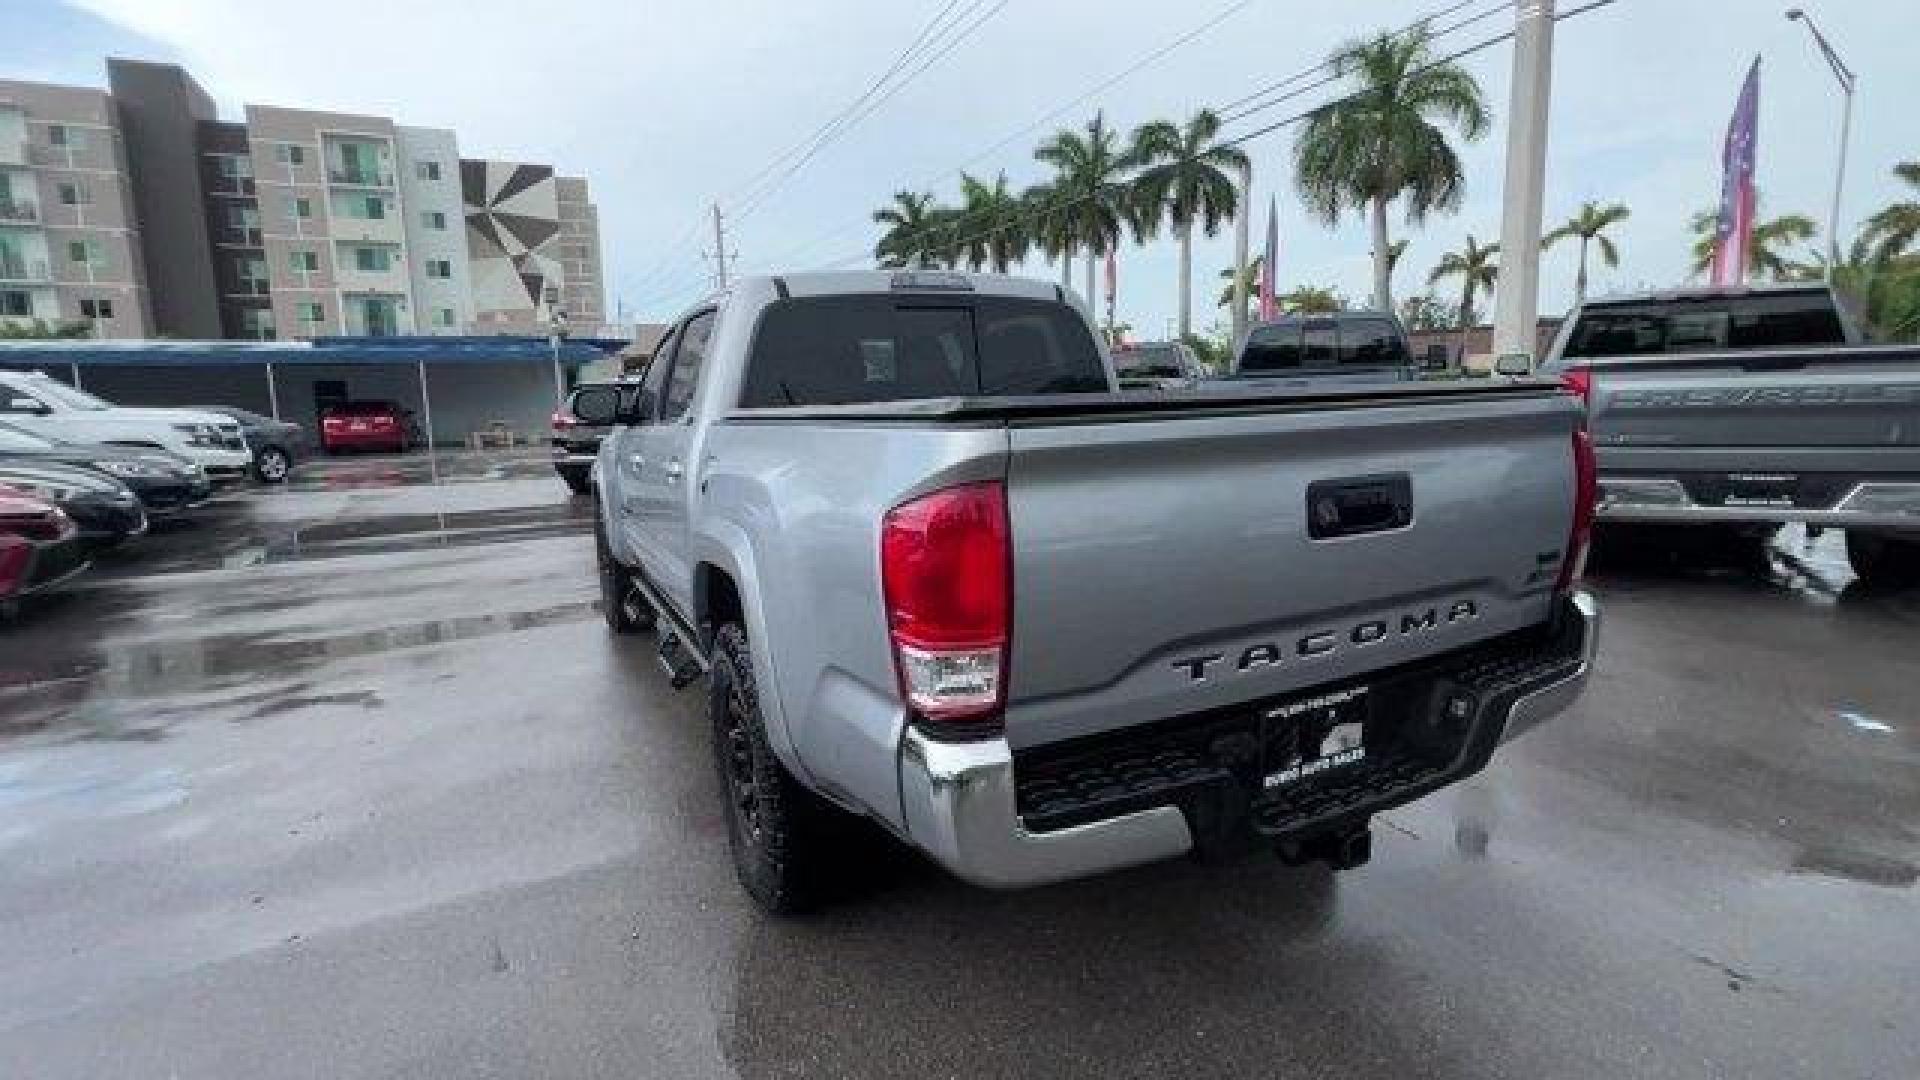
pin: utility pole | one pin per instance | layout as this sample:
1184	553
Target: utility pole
1239	284
719	248
1517	301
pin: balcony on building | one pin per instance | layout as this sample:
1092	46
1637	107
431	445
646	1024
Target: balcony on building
376	314
369	267
19	211
13	137
354	162
365	216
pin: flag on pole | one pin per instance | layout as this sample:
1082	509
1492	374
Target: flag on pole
1269	303
1733	233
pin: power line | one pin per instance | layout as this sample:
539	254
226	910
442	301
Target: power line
1058	205
1239	110
1289	80
746	188
1106	84
939	46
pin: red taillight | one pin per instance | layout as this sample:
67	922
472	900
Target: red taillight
944	565
1586	491
1580	381
563	420
383	421
15	553
333	423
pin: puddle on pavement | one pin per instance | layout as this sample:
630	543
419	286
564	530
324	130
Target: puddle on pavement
393	533
108	699
1856	866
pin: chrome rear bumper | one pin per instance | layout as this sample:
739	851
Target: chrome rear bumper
958	798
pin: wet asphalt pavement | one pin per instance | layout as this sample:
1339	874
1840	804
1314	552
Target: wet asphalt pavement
349	781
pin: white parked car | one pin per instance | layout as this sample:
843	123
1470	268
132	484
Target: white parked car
46	406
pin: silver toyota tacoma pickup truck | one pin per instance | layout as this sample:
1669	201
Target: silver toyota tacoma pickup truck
1748	408
939	573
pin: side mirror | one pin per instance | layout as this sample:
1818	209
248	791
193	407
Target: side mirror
1436	358
597	405
27	405
1516	365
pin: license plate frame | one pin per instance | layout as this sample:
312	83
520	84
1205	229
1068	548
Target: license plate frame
1332	724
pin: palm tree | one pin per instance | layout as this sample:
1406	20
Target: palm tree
1884	288
1590	225
1250	275
909	220
1474	265
1187	176
1089	189
1892	230
1049	228
1311	300
1383	140
991	224
1766	251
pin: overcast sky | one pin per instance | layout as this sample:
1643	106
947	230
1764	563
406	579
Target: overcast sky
665	105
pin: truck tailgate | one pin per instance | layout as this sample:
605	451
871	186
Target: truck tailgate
1171	564
1811	398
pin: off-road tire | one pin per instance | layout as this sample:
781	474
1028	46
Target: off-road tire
778	831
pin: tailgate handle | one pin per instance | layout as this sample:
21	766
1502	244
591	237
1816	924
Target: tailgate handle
1360	504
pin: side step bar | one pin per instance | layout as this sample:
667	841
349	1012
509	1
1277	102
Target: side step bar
682	662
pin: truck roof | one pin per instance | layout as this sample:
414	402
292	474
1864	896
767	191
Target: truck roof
921	280
1707	292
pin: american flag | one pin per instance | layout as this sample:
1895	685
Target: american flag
1733	234
1269	303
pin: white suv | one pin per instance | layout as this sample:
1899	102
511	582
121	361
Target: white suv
49	407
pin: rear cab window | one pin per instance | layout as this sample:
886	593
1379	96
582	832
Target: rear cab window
1783	320
1323	344
846	350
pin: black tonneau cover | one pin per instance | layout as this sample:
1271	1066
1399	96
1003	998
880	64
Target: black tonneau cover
1210	398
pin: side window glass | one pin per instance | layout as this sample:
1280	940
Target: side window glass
688	360
649	403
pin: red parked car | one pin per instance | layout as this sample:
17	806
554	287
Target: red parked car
39	546
366	425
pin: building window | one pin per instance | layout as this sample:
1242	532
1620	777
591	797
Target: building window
251	274
374	208
15	305
435	220
428	170
290	154
443	316
304	262
303	208
96	308
72	194
439	268
311	311
257	324
77	252
59	135
372	260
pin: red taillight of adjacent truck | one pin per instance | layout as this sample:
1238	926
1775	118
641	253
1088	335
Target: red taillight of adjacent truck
15	554
1579	380
1586	491
945	566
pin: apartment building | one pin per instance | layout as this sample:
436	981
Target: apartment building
69	248
295	223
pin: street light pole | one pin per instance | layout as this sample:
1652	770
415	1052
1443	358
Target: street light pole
1847	80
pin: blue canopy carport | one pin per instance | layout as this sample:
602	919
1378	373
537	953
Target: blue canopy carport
459	385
